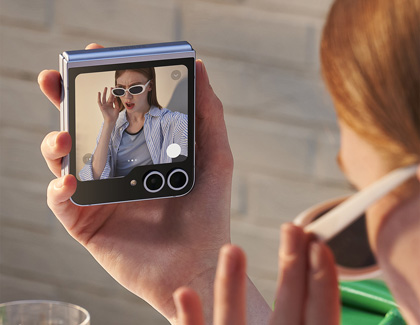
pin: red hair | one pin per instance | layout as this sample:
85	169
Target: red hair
370	57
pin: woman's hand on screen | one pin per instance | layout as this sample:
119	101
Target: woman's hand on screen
109	106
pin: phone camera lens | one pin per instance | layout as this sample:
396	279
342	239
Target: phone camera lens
154	182
177	179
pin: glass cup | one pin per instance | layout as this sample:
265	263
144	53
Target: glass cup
42	312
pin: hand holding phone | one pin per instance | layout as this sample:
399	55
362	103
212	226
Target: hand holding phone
153	247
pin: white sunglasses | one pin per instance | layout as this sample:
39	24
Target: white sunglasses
133	90
340	223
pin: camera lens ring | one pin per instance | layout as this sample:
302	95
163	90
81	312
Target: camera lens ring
148	176
178	170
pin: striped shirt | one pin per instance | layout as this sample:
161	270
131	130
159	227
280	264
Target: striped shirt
162	127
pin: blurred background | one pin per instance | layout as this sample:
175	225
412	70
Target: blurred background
262	59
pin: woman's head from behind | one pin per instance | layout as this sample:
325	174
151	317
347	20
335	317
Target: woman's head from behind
370	54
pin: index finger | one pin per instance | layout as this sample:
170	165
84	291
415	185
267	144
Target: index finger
230	287
323	298
93	46
50	81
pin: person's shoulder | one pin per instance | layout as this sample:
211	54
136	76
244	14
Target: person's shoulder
174	116
155	111
162	112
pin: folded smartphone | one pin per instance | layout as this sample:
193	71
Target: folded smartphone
130	112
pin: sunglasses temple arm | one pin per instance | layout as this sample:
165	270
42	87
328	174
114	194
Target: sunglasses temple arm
347	212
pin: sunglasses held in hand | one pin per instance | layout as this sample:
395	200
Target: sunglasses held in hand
341	224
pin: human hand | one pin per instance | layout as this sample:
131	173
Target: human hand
307	291
110	108
153	247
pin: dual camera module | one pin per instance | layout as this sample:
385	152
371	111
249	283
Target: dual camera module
155	181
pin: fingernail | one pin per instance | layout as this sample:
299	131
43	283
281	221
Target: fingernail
52	140
230	264
315	256
289	240
176	298
39	75
204	71
59	183
204	67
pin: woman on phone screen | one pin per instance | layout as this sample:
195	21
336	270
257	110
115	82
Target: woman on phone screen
136	130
